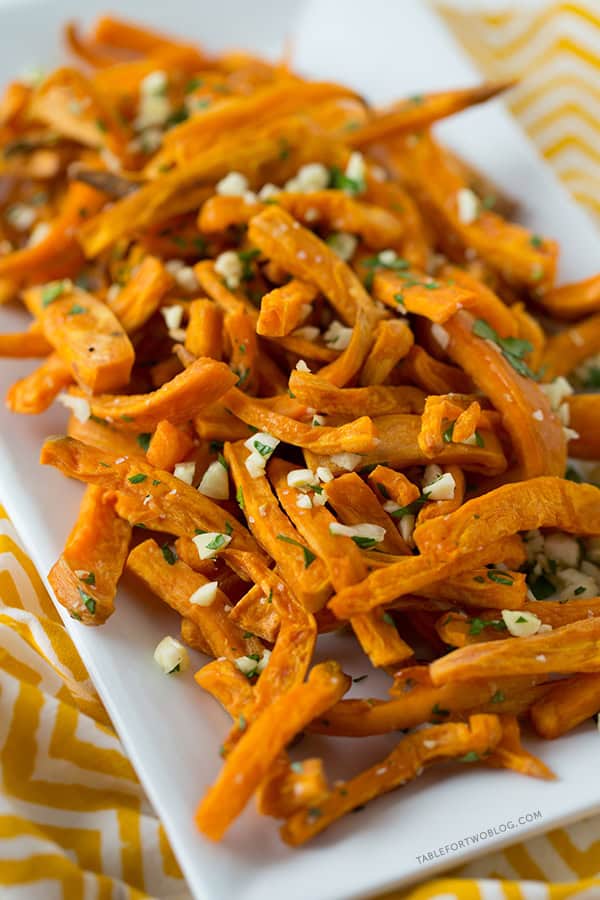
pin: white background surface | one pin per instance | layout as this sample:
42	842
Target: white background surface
171	729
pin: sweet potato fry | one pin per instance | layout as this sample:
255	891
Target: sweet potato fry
374	400
254	613
354	502
223	680
453	740
397	446
141	296
58	254
566	705
251	758
505	246
571	648
299	251
431	375
484	303
413	293
378	637
509	753
482	587
415	702
284	308
35	392
98	433
393	340
573	301
175	583
544	502
291	787
168	445
85	577
355	437
174	506
565	350
241	334
86	335
584	415
203	336
420	111
413	573
394	485
178	400
24	344
267	523
535	431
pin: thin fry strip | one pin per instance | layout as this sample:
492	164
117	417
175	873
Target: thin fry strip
354	502
85	577
141	296
223	680
300	252
420	111
251	758
203	335
355	437
544	502
374	400
412	574
571	648
416	704
415	751
535	431
174	506
36	392
565	350
178	400
509	753
393	340
437	302
284	308
24	344
85	334
584	415
267	522
175	583
566	706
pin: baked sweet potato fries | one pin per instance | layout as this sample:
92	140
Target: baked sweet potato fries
309	391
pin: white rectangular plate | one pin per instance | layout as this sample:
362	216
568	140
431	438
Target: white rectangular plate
171	729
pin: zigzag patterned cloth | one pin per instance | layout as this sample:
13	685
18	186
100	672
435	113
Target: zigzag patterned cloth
74	822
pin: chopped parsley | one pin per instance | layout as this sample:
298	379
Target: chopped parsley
513	349
169	554
242	723
247	257
372	263
137	478
51	292
359	678
541	587
144	439
341	182
76	310
477	625
309	556
217	542
296	767
90	578
388	619
498	697
579	590
536	241
87	601
264	449
239	496
469	757
365	543
436	710
500	577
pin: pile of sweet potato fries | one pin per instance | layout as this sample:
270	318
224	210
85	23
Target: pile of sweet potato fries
319	378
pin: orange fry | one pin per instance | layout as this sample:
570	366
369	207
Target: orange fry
251	758
85	577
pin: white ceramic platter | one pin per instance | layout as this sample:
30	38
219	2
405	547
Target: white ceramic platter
171	729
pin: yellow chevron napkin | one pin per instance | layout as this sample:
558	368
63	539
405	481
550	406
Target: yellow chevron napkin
74	822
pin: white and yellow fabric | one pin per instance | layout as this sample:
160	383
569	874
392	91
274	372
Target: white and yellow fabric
74	822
